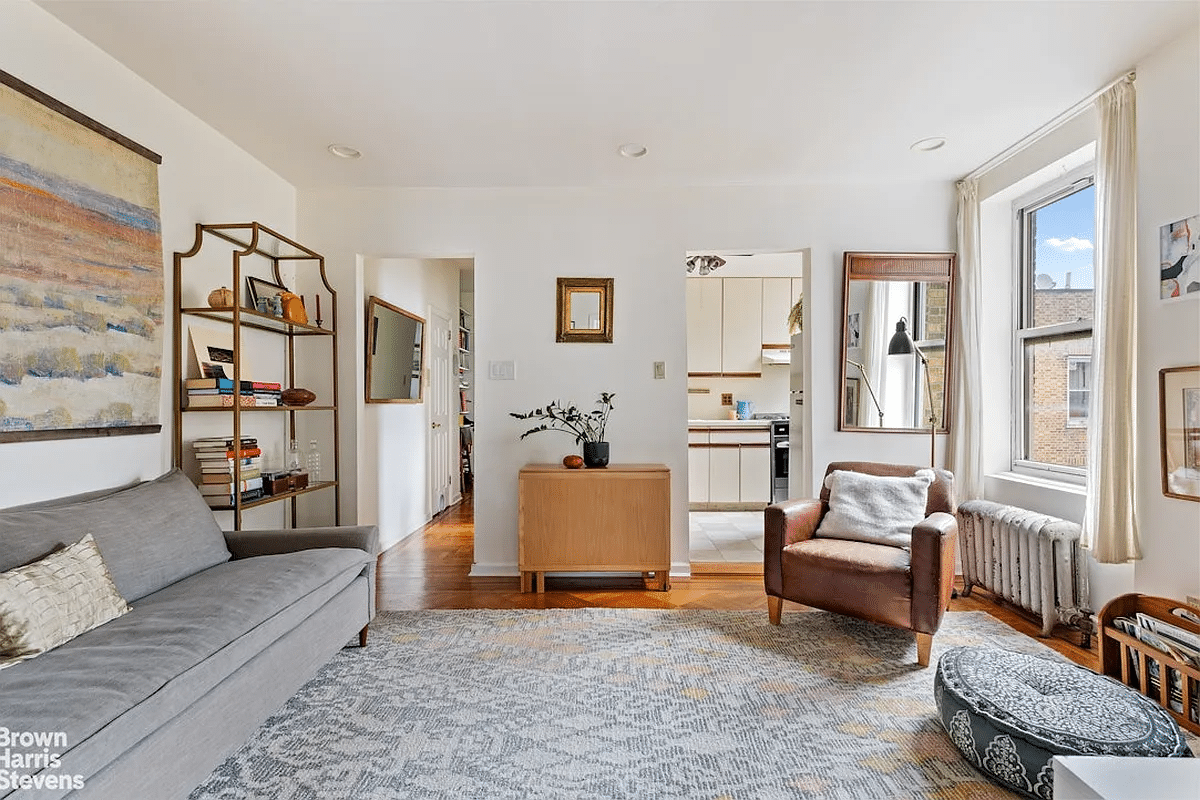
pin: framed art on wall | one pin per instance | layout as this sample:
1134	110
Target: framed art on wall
1179	258
1179	431
81	274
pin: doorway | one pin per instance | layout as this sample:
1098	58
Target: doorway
740	392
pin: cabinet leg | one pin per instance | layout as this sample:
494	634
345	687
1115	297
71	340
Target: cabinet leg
540	579
526	582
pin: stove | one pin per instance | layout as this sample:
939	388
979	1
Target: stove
769	415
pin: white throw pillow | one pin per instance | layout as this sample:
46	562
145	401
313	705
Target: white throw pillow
875	508
53	600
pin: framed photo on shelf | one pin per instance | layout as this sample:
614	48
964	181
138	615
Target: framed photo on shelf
213	352
257	288
1179	431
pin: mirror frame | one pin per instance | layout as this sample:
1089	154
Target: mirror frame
906	268
372	305
605	288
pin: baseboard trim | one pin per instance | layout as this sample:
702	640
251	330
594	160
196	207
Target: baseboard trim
726	568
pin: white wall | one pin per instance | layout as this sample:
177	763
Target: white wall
203	178
523	239
1168	111
393	438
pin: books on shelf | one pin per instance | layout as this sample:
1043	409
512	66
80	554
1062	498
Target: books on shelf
226	499
217	400
227	456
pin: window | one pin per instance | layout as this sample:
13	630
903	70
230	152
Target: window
1053	343
1079	390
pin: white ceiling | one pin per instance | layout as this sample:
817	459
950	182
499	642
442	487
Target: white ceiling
455	93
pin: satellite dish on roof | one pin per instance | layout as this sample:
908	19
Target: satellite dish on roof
1043	281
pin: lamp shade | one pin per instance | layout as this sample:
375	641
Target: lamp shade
900	344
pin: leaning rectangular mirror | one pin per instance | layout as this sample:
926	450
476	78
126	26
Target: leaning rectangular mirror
395	353
585	310
896	330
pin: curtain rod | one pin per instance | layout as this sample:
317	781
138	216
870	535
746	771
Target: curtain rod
1057	122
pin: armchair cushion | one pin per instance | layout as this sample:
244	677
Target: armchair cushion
876	509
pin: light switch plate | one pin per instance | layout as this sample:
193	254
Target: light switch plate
660	370
726	398
502	370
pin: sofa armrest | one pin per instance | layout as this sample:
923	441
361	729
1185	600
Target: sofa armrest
933	544
783	524
246	544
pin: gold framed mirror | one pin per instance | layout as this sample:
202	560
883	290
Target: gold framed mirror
395	353
585	310
896	331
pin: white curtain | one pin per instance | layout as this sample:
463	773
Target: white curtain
1110	520
965	451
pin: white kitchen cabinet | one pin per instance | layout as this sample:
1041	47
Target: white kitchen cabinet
755	466
778	297
704	325
741	327
724	475
698	466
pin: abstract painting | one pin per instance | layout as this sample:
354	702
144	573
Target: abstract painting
1179	259
81	274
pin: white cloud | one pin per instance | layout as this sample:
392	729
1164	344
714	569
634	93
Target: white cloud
1070	245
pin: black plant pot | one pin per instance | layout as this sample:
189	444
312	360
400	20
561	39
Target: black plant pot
595	454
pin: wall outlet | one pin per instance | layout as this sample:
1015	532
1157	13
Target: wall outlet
660	370
726	398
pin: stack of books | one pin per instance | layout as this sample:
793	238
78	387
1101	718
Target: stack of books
266	393
219	459
217	393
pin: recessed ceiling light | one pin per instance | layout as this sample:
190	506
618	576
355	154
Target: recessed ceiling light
344	151
925	145
632	150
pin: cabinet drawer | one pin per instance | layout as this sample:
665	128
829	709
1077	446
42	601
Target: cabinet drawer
760	437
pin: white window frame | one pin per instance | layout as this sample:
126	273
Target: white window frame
1071	361
1023	333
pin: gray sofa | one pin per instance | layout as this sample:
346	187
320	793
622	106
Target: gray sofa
224	627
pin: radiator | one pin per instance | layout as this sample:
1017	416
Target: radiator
1029	559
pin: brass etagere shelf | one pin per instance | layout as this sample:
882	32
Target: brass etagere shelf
254	240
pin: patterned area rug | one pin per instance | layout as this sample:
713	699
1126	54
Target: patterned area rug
618	703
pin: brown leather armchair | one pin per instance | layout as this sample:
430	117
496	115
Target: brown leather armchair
908	588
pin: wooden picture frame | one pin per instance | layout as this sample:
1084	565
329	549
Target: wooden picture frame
258	288
584	310
81	355
1179	431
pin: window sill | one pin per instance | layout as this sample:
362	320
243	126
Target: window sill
1057	498
1065	484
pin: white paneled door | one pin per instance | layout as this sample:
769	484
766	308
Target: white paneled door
442	432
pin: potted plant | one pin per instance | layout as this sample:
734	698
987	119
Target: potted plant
586	426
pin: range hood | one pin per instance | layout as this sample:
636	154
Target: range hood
773	354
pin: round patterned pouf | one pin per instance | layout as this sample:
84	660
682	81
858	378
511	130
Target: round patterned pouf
1008	713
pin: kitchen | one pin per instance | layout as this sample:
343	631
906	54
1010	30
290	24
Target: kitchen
743	312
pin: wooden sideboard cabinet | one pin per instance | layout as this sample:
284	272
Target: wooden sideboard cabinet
616	519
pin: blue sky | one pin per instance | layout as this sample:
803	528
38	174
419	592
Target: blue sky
1066	238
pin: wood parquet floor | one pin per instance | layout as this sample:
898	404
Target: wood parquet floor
431	569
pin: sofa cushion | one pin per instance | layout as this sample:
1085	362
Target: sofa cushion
875	508
109	688
53	600
151	534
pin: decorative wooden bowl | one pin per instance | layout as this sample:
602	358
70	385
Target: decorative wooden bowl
296	397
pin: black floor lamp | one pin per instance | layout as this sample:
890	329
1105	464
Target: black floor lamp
902	345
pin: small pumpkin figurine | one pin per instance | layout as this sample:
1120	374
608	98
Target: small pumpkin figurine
573	461
293	308
221	298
